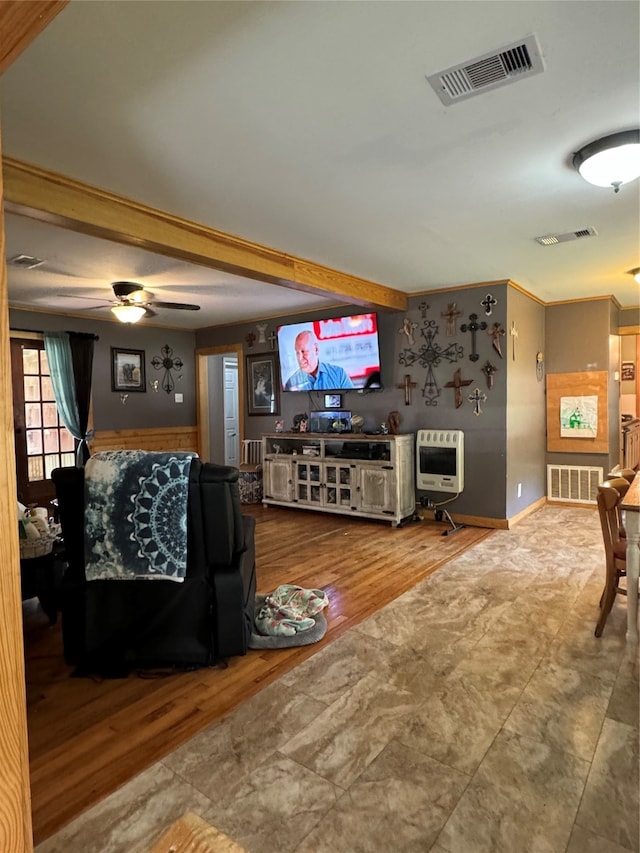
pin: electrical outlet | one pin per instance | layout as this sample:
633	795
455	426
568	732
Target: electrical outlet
519	490
179	398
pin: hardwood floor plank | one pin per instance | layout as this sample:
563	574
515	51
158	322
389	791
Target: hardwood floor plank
87	737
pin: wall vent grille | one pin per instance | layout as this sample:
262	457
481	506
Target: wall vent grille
573	483
509	64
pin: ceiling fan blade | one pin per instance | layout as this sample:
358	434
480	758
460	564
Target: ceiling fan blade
180	306
149	312
77	296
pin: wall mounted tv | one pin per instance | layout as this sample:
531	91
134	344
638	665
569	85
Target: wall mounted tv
330	355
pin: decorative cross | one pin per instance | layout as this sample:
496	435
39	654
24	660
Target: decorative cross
407	329
423	308
250	339
476	398
272	339
514	337
407	384
487	303
473	327
262	328
429	355
451	315
458	384
168	363
495	333
489	370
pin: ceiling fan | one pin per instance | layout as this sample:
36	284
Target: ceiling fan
132	302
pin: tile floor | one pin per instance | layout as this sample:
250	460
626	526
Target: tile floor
477	713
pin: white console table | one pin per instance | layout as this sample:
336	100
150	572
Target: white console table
369	476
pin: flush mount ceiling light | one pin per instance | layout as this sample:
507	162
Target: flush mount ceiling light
128	313
611	161
635	273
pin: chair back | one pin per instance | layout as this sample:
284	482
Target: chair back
610	494
627	473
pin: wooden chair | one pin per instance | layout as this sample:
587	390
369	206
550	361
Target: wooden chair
610	494
628	473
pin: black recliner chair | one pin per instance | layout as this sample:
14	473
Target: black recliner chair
112	626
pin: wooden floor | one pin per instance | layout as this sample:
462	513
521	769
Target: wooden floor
87	737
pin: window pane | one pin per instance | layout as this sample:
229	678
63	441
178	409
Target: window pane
49	415
47	389
66	441
35	468
31	388
51	443
44	363
32	415
34	442
68	459
30	361
50	462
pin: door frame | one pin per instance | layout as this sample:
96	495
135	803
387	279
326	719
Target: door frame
202	393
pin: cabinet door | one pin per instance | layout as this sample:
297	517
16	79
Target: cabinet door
341	483
377	488
278	479
309	487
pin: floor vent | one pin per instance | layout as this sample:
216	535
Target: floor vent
507	65
573	483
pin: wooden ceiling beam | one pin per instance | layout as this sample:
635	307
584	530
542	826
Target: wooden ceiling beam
21	23
50	197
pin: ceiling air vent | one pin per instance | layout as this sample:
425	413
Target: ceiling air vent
552	239
26	262
507	65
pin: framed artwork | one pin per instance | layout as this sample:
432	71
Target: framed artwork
127	370
332	401
628	371
263	392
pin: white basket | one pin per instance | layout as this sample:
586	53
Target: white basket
30	548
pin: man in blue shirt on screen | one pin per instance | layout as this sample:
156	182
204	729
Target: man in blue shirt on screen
314	375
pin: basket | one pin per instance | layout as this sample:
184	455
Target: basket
30	548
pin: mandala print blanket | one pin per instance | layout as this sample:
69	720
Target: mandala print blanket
289	609
136	515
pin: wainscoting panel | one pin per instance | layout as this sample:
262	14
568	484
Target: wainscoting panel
158	438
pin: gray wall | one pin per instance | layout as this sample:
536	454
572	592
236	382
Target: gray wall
141	410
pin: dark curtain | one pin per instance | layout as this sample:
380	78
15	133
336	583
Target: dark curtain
82	345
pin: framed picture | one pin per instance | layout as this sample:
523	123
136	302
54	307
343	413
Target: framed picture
127	370
332	401
263	391
628	371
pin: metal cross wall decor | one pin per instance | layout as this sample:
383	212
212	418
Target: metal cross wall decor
487	303
473	326
168	363
476	398
430	355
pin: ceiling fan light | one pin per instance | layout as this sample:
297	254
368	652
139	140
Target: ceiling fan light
128	313
611	161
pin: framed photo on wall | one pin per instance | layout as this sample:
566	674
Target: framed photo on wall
263	391
127	370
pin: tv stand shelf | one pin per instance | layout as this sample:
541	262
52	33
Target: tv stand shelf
369	476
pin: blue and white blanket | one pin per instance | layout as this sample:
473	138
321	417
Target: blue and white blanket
136	515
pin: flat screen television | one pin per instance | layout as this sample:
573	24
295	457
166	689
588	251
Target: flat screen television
335	354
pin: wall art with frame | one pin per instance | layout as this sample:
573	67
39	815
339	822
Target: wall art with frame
263	393
127	370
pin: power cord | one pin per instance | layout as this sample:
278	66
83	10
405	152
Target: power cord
440	514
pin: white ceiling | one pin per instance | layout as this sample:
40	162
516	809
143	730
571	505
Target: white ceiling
310	127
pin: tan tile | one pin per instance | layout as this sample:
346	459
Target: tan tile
346	737
278	805
222	756
133	818
624	704
610	805
460	719
400	803
584	841
524	796
508	656
541	711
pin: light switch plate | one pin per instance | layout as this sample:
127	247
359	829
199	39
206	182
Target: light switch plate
179	398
